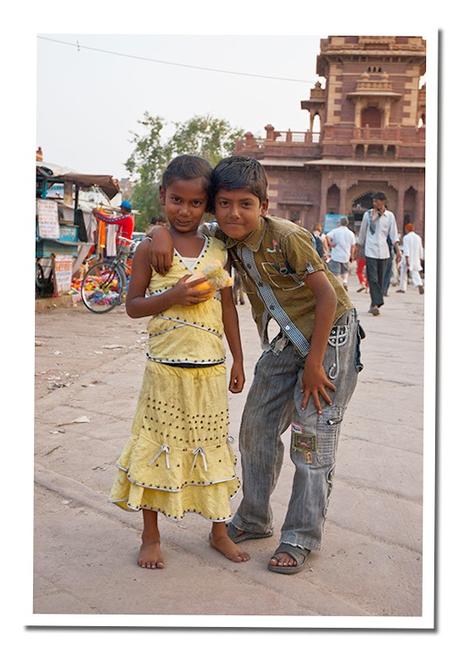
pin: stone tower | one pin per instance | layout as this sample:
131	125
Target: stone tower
365	132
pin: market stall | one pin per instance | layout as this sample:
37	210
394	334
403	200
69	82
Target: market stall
66	229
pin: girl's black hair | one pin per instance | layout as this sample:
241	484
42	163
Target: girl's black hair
237	172
186	167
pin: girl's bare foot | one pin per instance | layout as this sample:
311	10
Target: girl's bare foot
150	556
220	541
150	553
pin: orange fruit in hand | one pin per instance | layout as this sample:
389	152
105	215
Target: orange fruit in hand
205	285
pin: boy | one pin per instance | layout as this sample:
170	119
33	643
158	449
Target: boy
314	358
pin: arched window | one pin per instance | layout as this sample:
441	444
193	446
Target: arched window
316	128
371	117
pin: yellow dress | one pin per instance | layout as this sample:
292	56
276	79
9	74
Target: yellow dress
178	458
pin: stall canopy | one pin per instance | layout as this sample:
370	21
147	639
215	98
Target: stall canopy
58	174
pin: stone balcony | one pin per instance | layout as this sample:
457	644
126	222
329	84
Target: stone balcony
380	86
337	141
366	142
389	135
280	144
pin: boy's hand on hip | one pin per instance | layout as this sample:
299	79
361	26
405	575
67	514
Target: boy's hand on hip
237	378
314	385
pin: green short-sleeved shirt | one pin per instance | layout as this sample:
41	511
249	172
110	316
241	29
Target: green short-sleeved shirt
284	253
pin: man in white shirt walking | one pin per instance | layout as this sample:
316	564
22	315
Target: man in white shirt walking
342	246
412	260
378	223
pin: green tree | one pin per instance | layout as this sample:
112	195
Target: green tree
205	136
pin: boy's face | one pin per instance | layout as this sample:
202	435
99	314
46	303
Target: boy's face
238	212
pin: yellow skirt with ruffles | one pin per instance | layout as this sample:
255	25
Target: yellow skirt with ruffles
178	459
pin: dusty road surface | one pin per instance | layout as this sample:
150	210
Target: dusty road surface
89	368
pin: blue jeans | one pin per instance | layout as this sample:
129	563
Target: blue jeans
273	404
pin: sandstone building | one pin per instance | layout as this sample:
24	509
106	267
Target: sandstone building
366	133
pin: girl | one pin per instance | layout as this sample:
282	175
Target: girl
178	459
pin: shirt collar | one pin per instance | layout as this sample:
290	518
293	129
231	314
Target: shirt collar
252	241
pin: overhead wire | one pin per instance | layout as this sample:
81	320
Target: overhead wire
80	47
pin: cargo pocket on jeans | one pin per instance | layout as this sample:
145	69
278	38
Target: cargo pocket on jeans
327	429
360	334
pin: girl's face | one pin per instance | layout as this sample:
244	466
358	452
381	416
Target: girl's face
185	203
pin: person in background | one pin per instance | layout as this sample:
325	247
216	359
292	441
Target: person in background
317	241
318	233
361	274
378	223
412	260
342	244
392	270
238	289
125	222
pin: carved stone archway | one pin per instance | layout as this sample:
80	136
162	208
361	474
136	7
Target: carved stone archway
333	198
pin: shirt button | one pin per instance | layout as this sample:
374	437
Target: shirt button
249	266
272	307
287	327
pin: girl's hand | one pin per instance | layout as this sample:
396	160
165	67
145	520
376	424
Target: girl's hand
237	378
314	384
184	293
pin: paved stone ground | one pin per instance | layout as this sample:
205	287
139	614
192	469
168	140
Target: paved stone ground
85	548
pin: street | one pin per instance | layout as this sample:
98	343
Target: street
89	369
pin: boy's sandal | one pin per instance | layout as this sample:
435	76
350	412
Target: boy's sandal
299	555
238	536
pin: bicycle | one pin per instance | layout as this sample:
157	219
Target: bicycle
104	284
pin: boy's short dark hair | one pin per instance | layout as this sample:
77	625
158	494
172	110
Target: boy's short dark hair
238	172
186	167
381	196
159	219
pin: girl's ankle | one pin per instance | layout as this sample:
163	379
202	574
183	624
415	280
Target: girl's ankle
151	538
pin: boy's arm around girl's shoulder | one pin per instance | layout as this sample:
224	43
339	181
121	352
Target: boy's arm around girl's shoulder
139	305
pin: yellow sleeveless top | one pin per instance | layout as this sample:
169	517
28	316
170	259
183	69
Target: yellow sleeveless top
188	334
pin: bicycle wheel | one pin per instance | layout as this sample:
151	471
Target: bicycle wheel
102	287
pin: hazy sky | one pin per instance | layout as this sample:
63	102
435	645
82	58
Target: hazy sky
89	102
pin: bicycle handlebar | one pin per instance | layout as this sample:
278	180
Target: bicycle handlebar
126	239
